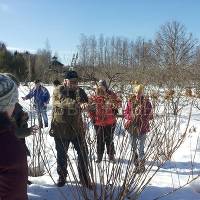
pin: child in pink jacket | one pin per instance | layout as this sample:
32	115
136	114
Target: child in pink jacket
138	113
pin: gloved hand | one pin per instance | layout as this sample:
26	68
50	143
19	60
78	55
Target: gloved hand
44	106
34	129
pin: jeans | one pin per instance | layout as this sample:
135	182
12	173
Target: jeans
42	113
137	142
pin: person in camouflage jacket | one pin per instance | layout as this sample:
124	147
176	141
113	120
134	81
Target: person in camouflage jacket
67	127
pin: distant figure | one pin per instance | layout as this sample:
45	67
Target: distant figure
67	127
41	99
102	111
138	113
13	161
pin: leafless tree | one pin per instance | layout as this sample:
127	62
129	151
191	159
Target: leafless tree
83	50
174	47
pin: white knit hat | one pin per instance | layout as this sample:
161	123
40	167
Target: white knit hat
103	83
8	93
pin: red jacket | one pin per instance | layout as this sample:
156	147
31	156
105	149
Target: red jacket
13	166
140	113
104	113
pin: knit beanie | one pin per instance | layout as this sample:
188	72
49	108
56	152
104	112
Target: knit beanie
71	75
139	89
8	93
14	78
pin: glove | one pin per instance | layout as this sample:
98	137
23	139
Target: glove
34	129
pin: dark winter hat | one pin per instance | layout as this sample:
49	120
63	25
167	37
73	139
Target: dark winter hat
8	93
71	75
13	78
103	83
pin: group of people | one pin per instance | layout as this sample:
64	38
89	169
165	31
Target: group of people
69	101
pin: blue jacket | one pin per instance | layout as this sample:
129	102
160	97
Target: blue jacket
41	95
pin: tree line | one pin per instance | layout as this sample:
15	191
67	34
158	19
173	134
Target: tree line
25	65
172	55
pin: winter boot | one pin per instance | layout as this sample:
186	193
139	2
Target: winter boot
61	181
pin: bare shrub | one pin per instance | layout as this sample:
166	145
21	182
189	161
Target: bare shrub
119	180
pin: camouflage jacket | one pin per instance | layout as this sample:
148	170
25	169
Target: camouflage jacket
66	116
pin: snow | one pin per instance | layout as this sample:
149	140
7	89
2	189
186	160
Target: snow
166	179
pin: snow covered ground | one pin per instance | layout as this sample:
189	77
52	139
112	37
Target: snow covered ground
173	174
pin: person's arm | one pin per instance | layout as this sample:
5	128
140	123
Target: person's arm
29	95
23	132
149	110
46	96
128	111
116	103
128	116
92	109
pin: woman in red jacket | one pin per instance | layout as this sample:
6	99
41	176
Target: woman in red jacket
103	117
138	113
13	163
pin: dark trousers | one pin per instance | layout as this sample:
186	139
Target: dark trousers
105	137
62	146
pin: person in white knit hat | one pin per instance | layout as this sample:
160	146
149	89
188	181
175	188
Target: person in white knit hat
138	113
8	94
13	161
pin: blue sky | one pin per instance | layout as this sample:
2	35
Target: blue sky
28	24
